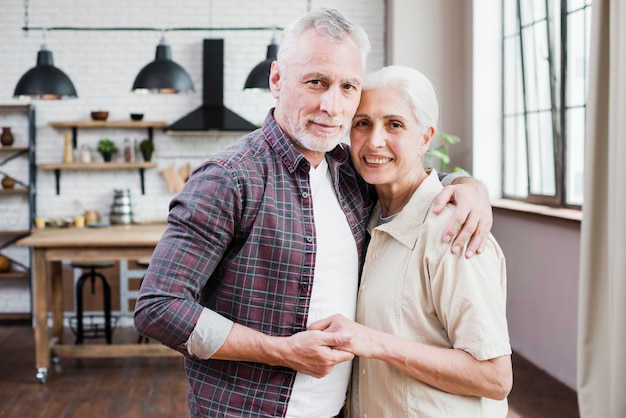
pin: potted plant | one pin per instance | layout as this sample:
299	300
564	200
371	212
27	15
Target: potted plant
107	148
147	148
441	152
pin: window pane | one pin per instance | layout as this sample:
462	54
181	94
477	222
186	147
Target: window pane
509	22
576	4
577	34
536	67
512	74
532	10
578	29
541	154
514	165
575	156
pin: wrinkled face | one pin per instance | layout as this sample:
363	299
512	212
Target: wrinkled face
318	92
387	141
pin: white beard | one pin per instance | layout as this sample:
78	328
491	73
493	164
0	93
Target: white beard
318	143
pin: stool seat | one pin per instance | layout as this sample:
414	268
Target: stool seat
92	264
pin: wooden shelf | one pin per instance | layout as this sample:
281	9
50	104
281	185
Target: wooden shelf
23	153
95	166
57	167
14	191
122	124
15	275
14	316
14	233
15	107
12	148
102	124
139	124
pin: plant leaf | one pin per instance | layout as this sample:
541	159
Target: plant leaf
451	139
445	158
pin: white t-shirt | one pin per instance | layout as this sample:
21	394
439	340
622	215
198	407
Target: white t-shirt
335	286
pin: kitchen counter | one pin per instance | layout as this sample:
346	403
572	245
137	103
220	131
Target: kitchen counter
53	245
100	238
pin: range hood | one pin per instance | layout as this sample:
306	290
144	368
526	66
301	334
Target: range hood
212	115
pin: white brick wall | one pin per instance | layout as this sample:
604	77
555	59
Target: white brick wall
103	65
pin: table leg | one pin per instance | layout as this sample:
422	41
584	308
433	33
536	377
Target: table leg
56	275
40	305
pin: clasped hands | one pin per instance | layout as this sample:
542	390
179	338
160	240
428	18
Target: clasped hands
328	342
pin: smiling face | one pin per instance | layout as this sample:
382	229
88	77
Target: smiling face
388	142
317	92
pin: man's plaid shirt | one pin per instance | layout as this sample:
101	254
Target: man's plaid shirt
241	241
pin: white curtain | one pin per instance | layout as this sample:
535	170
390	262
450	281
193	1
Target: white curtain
602	300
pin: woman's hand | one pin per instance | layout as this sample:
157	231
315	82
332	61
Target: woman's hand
357	339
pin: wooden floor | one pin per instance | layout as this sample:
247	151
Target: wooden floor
157	387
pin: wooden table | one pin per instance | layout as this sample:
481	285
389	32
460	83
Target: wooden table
53	245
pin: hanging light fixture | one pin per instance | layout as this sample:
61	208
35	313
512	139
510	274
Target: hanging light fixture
259	77
163	75
45	81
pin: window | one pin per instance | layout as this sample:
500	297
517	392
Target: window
545	46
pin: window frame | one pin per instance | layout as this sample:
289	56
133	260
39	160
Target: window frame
557	43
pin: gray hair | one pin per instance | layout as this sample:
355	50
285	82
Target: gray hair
325	21
414	86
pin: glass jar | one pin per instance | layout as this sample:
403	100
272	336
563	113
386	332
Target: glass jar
129	151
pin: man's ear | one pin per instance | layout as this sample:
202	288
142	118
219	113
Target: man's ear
275	80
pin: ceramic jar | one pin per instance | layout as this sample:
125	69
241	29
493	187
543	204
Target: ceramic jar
91	216
8	182
7	136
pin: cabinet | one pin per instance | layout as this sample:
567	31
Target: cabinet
75	125
17	209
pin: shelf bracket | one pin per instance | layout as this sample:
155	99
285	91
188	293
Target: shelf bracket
57	179
74	137
141	179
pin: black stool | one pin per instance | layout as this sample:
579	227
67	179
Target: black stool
143	262
106	296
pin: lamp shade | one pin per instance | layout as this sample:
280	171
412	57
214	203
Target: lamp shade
163	75
45	81
259	77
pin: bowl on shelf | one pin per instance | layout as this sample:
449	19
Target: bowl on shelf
99	115
136	116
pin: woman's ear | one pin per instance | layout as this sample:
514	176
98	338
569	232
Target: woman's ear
426	139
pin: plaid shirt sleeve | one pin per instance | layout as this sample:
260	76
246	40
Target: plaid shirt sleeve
198	233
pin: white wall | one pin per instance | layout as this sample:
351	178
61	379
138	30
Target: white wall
103	65
435	38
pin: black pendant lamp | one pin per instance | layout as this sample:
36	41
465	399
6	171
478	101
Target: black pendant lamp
163	75
45	81
259	77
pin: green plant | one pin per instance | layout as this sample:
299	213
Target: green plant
441	152
146	146
106	146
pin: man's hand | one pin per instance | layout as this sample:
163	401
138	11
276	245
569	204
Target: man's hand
310	352
359	339
314	352
473	217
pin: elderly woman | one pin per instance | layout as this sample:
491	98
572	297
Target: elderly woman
430	331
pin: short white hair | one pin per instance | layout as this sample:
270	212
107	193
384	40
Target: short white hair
416	88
